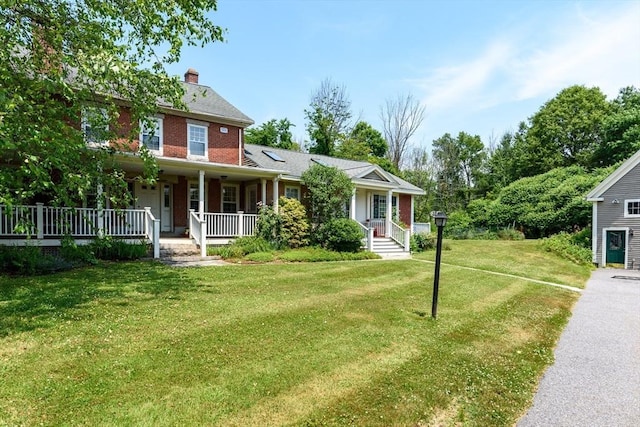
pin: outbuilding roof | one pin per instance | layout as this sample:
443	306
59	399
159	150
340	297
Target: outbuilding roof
595	195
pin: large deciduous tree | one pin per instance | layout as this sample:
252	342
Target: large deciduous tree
274	133
401	117
59	57
568	129
328	117
621	129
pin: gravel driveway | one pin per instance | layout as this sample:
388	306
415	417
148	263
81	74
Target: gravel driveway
595	380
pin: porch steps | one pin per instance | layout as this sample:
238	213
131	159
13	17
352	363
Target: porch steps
388	248
178	247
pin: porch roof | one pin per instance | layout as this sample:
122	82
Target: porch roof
363	174
191	168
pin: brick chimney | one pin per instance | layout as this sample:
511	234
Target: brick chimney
191	76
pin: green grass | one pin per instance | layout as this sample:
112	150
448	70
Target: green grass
347	343
525	258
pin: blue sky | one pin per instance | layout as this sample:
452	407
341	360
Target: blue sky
477	66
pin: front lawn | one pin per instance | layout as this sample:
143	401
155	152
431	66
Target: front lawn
347	343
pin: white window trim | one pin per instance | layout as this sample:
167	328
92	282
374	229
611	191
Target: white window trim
626	209
85	123
222	202
292	187
201	125
206	192
160	121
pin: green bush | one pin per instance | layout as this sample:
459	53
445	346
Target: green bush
294	226
109	248
423	242
340	235
242	246
563	245
269	226
28	261
74	253
510	234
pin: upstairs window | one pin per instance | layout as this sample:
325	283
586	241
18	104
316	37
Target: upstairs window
95	125
632	208
197	140
151	135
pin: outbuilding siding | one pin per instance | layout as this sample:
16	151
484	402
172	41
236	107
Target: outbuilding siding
610	214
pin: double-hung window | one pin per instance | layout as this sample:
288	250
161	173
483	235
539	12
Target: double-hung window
196	141
632	208
292	192
230	198
95	125
151	135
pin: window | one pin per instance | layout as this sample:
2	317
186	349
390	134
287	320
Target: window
379	206
151	135
632	208
292	192
197	140
252	199
95	125
229	199
193	197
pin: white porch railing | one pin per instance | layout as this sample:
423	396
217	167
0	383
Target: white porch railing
230	225
198	231
48	222
401	235
367	237
380	226
422	227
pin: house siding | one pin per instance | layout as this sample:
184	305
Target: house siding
611	215
404	202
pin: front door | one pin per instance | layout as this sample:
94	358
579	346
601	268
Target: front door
165	220
148	196
615	247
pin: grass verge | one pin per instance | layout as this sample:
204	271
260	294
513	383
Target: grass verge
291	344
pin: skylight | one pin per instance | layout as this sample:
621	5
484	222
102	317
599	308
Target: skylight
273	156
320	162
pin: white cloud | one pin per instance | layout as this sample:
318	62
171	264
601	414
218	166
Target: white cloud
599	51
589	47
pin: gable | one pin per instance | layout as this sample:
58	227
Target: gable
629	166
374	176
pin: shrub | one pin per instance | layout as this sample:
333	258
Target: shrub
340	235
294	226
74	253
510	234
28	260
328	190
242	246
114	249
423	242
563	245
268	226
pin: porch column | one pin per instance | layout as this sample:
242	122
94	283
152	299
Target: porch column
353	204
201	194
389	213
275	193
413	215
263	182
100	206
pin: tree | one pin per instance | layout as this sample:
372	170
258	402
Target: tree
274	133
328	117
60	57
362	143
401	117
621	129
329	190
458	162
568	129
421	174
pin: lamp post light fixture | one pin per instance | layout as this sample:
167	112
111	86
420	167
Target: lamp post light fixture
440	219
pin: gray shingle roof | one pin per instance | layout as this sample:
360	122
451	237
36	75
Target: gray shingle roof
295	163
203	100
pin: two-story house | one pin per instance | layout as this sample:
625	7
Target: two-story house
210	184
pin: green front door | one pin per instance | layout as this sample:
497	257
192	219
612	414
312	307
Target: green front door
615	247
